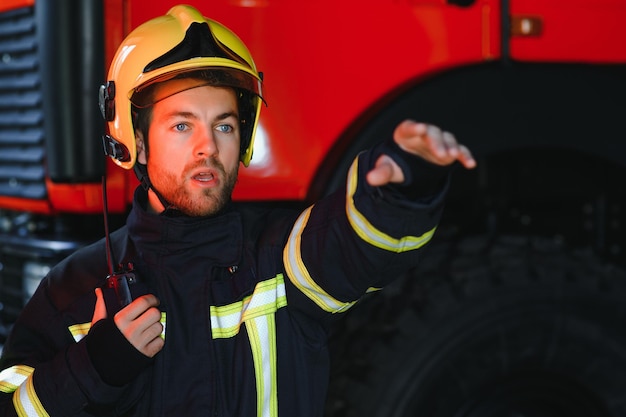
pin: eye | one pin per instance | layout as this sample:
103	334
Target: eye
225	128
180	127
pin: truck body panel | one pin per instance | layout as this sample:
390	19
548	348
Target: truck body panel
534	87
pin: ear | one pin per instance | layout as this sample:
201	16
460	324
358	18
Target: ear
141	149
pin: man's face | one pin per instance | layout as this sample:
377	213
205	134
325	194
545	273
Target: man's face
194	148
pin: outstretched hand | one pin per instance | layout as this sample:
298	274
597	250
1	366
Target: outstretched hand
139	322
426	141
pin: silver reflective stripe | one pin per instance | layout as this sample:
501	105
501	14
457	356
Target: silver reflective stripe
267	297
299	275
11	378
79	331
257	313
26	402
262	334
163	322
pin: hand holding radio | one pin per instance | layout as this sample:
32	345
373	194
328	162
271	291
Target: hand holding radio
139	322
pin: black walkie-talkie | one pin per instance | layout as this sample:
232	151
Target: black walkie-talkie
120	282
122	278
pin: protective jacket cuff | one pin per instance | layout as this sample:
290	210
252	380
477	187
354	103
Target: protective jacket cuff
115	359
423	181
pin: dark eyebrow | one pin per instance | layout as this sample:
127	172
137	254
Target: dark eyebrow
226	115
191	115
177	113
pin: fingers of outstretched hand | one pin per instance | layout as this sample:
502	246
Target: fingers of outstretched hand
140	323
410	128
432	144
100	310
466	158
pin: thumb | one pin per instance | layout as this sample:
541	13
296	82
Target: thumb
385	171
100	311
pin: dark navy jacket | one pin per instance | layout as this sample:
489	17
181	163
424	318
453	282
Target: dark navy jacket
246	299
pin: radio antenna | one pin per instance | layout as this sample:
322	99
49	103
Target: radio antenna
118	279
105	211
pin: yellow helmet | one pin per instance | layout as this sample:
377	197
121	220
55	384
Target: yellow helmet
182	41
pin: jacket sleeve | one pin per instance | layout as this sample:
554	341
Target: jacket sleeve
362	237
45	366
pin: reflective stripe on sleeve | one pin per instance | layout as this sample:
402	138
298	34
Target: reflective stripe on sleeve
11	378
299	275
79	331
26	402
370	234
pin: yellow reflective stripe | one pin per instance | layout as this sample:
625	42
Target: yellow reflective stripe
79	331
11	378
299	275
26	402
370	234
257	313
163	322
267	297
262	336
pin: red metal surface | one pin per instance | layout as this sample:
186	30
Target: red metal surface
589	31
324	69
326	63
24	204
14	4
87	198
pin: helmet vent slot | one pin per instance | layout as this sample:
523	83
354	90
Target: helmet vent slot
199	42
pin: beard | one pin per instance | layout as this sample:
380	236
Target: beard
204	202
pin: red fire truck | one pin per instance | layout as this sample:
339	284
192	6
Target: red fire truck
518	308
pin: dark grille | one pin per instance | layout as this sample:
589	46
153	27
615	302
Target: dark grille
21	120
16	254
51	63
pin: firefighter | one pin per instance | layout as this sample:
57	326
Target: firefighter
210	308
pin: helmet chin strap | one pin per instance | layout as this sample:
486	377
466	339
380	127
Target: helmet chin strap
141	171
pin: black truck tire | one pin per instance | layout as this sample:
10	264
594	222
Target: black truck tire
487	327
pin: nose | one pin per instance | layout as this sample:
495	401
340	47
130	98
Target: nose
205	144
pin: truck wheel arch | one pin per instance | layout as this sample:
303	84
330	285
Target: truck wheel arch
541	132
497	107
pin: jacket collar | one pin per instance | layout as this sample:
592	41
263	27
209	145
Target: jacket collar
219	237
